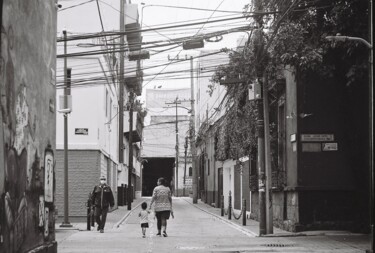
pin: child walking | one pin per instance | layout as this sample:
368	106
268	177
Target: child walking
143	214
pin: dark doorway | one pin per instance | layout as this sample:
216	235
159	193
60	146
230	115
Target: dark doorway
152	170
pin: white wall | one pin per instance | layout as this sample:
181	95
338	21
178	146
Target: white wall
206	105
228	180
89	105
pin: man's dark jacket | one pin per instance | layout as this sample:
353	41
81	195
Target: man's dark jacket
102	196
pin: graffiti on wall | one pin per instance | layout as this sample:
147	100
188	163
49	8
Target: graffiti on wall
48	176
26	184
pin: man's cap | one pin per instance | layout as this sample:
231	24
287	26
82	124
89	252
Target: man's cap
102	178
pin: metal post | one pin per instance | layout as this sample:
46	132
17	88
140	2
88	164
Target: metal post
88	213
185	146
192	136
67	76
130	197
230	206
176	164
121	86
222	205
244	212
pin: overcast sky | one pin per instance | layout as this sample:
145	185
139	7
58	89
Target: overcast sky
83	17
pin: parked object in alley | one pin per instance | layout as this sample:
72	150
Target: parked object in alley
162	198
102	198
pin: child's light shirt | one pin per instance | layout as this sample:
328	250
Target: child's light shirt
143	214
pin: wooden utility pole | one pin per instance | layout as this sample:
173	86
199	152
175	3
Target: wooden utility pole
267	151
258	37
130	169
176	102
121	86
192	136
185	146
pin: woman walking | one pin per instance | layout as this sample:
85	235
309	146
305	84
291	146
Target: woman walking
162	198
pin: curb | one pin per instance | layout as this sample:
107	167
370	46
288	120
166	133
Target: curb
234	225
117	225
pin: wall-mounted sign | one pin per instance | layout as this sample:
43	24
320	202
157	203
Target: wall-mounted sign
332	146
292	137
311	147
81	131
317	137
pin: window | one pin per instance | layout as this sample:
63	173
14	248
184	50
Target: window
190	171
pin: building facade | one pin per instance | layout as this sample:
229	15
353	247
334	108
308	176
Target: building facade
93	123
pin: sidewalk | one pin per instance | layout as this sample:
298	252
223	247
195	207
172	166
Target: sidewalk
114	218
356	241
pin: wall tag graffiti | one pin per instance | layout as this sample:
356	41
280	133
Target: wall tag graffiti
41	211
46	221
48	176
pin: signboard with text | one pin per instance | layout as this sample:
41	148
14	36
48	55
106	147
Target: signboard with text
81	131
317	137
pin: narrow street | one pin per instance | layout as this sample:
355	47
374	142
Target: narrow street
192	230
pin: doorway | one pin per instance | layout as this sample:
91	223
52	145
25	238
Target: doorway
153	169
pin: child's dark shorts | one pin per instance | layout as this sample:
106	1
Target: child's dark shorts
144	225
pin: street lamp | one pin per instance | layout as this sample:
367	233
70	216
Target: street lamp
371	123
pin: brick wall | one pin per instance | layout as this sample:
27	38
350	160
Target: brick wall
84	173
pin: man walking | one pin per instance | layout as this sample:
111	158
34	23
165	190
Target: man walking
102	198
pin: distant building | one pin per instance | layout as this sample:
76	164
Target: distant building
159	141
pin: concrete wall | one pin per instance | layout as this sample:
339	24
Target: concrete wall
27	118
228	179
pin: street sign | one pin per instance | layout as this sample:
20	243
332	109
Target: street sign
331	146
139	55
81	131
192	44
317	137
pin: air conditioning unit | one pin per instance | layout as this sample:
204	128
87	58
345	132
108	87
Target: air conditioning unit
65	103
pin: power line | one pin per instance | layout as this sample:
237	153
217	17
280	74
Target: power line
97	35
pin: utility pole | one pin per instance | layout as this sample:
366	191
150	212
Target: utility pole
176	102
192	136
267	151
258	34
67	79
371	123
121	86
130	170
185	146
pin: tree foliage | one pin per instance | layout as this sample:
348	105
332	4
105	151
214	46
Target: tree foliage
294	36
